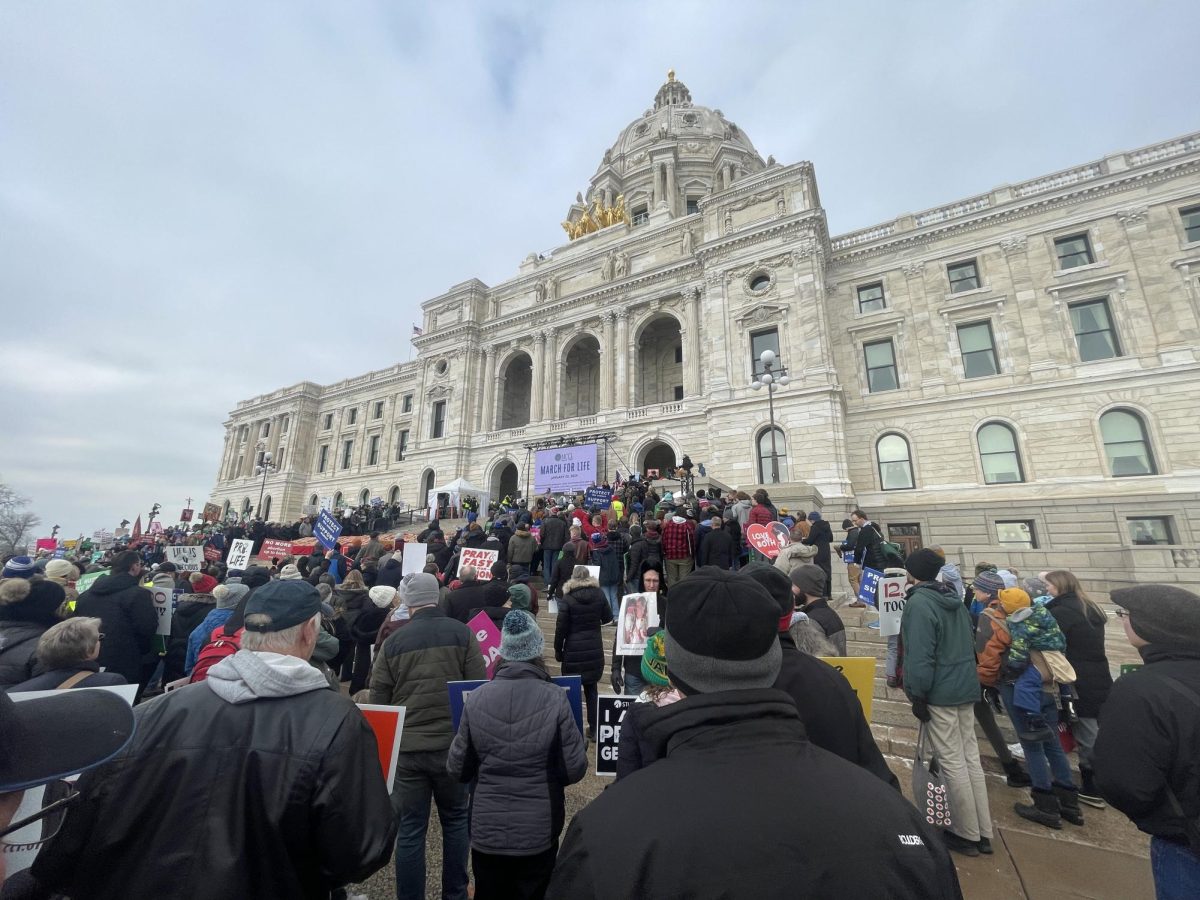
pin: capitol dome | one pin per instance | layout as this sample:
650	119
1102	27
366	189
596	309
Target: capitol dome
669	157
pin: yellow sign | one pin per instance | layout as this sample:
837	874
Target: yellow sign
860	672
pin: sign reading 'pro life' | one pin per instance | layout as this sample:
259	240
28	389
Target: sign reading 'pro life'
564	468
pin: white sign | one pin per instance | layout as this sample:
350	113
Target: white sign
102	539
309	509
327	503
186	559
164	608
414	558
639	612
889	598
480	558
239	553
593	571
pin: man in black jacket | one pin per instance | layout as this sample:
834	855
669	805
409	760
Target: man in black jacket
793	820
553	536
126	612
820	535
867	552
273	779
1145	757
392	570
471	594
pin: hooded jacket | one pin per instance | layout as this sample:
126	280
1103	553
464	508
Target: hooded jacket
518	740
554	532
128	620
578	643
259	744
992	641
950	575
742	759
939	649
18	652
1084	633
793	555
831	623
189	613
820	535
521	547
1031	628
646	549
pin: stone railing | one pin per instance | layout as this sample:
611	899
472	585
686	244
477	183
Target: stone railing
953	211
1163	151
1186	558
1057	180
865	236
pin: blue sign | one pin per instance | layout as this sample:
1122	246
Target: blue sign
60	553
327	530
597	498
869	586
572	684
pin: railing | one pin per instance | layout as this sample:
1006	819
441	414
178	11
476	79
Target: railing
1057	180
1163	151
854	238
953	211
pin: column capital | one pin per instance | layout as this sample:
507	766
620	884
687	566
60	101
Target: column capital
622	315
540	337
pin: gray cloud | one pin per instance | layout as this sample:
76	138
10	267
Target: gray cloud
202	201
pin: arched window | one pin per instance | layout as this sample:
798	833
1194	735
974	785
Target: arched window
394	494
313	500
225	510
766	470
895	463
998	453
1126	444
337	500
246	507
365	497
266	509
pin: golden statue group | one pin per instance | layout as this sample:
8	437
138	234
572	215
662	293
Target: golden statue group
600	216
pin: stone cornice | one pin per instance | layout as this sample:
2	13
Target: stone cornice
753	184
811	221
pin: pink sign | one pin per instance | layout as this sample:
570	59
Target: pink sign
488	635
768	539
47	544
275	549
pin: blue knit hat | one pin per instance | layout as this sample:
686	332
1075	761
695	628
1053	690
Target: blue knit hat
520	638
814	516
19	567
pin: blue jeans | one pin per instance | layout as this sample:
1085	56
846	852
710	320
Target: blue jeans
634	684
613	593
1176	870
421	776
1044	759
549	558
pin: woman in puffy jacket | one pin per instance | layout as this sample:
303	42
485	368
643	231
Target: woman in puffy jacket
578	643
519	742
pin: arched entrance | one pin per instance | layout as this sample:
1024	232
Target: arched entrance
661	456
246	508
660	362
394	494
505	481
266	509
581	381
428	483
516	387
225	510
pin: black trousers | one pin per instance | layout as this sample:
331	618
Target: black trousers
513	877
590	693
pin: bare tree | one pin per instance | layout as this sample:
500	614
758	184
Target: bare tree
17	523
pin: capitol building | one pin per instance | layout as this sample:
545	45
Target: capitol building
1013	376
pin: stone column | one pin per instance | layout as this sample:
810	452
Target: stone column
535	377
621	395
498	404
549	373
606	366
654	194
489	390
481	374
691	343
672	190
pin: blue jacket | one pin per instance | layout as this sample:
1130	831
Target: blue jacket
200	635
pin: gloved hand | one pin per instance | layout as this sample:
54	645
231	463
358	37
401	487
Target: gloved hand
921	710
992	696
618	681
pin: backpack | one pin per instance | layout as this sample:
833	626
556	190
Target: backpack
892	553
219	646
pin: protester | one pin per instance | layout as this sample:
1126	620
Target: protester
820	536
853	569
262	742
470	594
810	590
226	598
633	752
63	573
67	654
604	555
627	670
28	608
734	751
645	552
940	680
795	554
678	548
1145	756
190	611
521	549
578	644
868	550
992	641
127	612
519	743
412	670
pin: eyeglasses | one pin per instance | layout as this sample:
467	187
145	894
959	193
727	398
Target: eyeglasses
56	797
1122	613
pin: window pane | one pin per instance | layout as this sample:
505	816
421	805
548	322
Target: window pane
896	475
963	276
882	380
1150	530
996	439
979	364
870	297
764	340
1016	534
1125	444
1073	251
1119	425
975	337
892	447
879	354
1191	223
1093	331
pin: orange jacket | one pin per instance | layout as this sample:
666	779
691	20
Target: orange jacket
992	641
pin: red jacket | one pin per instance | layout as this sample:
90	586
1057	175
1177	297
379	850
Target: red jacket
677	540
760	515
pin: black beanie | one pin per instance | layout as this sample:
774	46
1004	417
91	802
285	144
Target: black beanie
35	600
776	583
924	564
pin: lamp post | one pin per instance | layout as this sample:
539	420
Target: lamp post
772	378
264	468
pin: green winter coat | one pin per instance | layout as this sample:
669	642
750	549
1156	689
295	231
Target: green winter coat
939	650
1033	628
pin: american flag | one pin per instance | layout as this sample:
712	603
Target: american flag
418	331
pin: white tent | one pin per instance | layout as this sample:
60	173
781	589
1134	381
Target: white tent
456	489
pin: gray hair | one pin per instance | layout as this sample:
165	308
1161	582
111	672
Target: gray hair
810	638
69	643
466	573
1033	586
276	641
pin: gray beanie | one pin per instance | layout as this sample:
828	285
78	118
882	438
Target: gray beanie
810	580
228	596
989	583
520	638
419	589
1162	613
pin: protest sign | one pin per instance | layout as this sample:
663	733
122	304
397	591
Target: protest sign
60	553
47	544
564	468
388	724
212	512
186	559
481	559
212	554
97	555
186	515
272	548
327	529
610	712
488	636
164	607
572	684
860	672
326	503
103	539
85	581
638	613
597	498
239	553
869	585
414	558
890	595
767	541
308	509
155	527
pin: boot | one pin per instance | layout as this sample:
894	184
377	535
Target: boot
1068	803
1088	793
1017	776
1044	810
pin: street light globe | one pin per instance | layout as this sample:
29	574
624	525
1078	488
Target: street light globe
266	457
783	379
767	377
756	385
767	357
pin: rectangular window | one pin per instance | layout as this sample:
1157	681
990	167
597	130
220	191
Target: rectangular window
322	457
679	392
402	445
1073	251
679	354
1094	332
373	451
266	429
238	468
347	451
693	205
438	425
870	297
352	415
377	413
881	366
978	349
640	215
1150	530
964	276
406	403
287	420
243	433
328	422
1018	534
763	340
1191	223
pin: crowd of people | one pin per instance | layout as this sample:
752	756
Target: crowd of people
245	766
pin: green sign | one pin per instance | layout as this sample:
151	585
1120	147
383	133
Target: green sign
1126	668
85	581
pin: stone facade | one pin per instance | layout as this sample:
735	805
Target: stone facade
1065	309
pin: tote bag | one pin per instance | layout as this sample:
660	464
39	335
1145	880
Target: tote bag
930	795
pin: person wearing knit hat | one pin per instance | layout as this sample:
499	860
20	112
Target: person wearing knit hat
190	611
809	588
27	608
19	567
202	583
518	740
1145	754
1009	579
418	590
382	596
227	597
290	573
61	571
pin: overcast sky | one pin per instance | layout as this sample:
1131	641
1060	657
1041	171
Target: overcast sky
202	201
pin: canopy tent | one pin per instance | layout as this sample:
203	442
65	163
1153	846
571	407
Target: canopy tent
456	489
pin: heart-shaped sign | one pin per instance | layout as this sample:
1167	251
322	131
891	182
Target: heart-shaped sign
783	537
763	539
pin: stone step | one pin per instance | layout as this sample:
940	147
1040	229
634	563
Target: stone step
866	648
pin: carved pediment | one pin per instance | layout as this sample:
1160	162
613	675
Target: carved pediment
762	314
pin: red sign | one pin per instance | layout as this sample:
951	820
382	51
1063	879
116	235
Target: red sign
47	544
768	539
186	515
275	549
388	724
212	554
488	635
